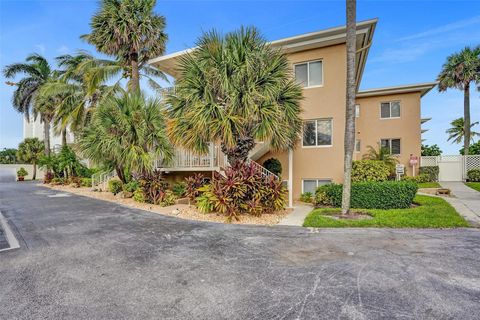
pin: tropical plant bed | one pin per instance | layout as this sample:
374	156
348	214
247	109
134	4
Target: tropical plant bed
182	211
429	212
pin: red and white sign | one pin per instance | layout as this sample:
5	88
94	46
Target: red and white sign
413	160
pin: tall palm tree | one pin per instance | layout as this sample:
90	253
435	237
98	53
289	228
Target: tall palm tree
459	72
126	132
30	151
130	31
457	131
37	72
349	144
234	90
81	85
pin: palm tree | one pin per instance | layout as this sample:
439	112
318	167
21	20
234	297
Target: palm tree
81	86
351	10
130	31
458	72
37	72
382	154
457	131
234	90
126	132
30	151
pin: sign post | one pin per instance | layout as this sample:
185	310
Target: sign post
399	171
413	162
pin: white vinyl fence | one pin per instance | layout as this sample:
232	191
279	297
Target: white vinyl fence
452	167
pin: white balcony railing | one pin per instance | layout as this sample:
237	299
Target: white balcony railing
184	159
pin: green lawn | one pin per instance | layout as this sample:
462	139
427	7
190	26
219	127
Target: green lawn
431	213
429	185
473	185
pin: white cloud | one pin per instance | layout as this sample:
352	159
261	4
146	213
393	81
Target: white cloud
443	29
63	49
41	48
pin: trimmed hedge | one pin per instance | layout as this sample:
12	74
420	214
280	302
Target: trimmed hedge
369	170
473	175
421	178
370	195
431	171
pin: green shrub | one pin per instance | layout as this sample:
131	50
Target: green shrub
138	195
473	175
86	182
370	170
306	197
420	178
57	181
370	195
205	202
22	172
431	171
321	196
168	199
115	186
131	186
179	189
273	165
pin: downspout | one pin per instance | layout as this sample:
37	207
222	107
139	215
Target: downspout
290	178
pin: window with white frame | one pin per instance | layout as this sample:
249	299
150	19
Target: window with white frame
309	74
357	111
317	133
310	185
393	145
390	109
357	145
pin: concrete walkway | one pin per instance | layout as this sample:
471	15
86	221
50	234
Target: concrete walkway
298	215
466	201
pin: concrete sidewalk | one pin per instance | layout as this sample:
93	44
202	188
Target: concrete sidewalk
297	216
466	201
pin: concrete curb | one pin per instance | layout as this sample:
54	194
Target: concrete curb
12	241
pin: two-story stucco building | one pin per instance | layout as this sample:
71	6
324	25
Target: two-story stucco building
389	116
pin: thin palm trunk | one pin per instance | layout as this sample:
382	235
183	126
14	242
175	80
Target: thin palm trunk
350	105
135	76
34	175
466	118
46	136
64	137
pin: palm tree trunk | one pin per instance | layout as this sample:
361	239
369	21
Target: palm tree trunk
466	118
349	143
239	153
46	135
34	175
64	137
134	84
121	176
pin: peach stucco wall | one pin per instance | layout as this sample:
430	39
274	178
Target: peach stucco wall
371	128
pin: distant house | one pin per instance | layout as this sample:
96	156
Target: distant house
389	116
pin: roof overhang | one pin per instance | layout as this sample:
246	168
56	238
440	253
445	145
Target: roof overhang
423	120
307	41
422	88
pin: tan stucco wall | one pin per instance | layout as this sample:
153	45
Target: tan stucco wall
371	128
327	101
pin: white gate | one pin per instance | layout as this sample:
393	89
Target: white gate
452	167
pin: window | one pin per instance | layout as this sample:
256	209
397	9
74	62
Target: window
357	111
309	74
357	145
310	185
317	133
391	144
390	109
